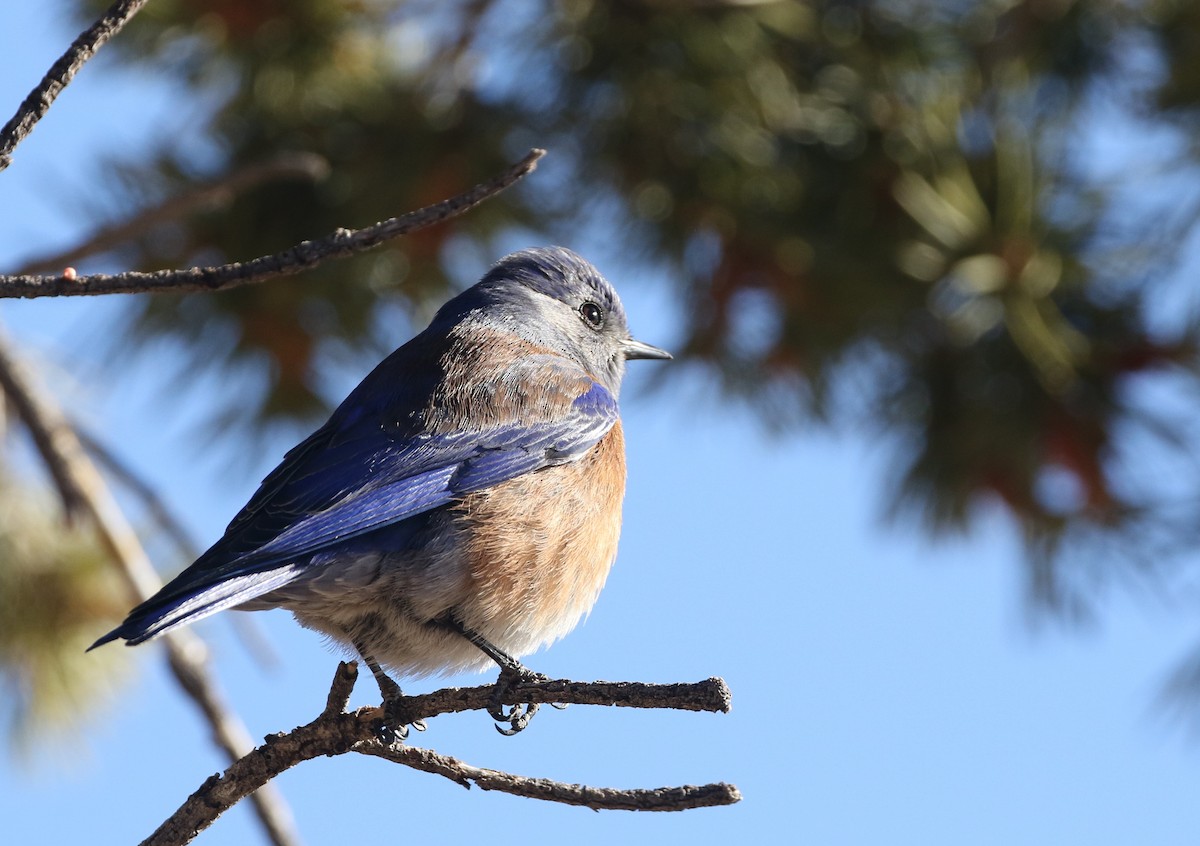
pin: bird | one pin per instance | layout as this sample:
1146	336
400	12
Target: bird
461	507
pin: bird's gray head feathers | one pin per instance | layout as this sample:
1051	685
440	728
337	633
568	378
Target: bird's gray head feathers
554	298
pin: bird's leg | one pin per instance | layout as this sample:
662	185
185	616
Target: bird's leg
512	673
394	726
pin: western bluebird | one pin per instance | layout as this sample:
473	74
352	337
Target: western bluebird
461	506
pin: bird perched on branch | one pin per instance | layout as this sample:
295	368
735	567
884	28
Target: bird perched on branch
461	506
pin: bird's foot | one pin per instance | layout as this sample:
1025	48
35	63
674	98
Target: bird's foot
518	716
395	723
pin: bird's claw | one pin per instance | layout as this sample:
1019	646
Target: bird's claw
395	723
517	719
393	727
518	716
388	733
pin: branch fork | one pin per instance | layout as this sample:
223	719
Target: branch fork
336	732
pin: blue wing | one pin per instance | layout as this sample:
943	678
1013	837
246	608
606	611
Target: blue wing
358	474
427	472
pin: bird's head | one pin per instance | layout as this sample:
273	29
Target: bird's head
554	298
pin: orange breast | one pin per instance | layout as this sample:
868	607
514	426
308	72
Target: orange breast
540	546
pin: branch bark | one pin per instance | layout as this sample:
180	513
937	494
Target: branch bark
306	254
38	102
336	732
84	489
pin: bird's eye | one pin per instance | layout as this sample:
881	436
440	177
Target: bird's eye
592	315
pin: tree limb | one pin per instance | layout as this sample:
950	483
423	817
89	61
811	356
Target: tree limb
335	732
682	798
35	106
306	254
81	485
710	695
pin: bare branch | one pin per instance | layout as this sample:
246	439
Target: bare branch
206	198
61	73
336	733
682	798
307	254
80	481
339	692
710	695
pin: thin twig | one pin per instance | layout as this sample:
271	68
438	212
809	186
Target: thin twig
61	73
206	198
307	254
682	798
336	733
187	654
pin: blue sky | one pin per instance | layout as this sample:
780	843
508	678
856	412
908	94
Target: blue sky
886	689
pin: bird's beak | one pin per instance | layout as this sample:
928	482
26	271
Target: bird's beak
636	349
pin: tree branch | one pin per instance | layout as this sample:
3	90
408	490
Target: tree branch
61	73
214	195
710	695
335	732
682	798
306	254
81	485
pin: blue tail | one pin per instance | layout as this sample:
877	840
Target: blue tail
169	610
